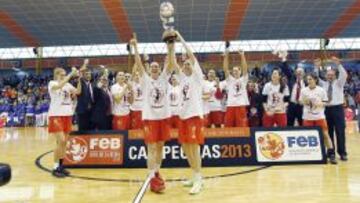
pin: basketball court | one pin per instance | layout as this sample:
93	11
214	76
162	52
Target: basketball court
23	148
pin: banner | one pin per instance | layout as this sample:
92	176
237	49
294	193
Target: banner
102	149
223	147
288	145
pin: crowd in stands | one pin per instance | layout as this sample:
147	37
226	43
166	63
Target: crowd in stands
24	100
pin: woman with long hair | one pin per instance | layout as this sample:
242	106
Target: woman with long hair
275	101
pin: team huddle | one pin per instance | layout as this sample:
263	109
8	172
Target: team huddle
180	96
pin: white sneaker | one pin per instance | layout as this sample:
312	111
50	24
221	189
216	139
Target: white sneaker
188	183
197	187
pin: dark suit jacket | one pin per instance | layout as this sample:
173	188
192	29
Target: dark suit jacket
101	112
290	75
84	103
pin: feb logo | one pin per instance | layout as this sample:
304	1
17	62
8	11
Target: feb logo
76	150
271	145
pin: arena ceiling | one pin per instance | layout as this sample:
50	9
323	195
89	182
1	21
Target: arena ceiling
26	23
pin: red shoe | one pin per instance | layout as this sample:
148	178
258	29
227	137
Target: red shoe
157	175
157	184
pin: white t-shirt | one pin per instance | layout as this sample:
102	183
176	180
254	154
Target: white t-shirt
275	99
191	93
236	91
122	108
61	103
214	104
138	97
174	98
315	96
206	88
156	100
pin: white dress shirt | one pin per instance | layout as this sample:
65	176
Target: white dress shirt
338	84
294	89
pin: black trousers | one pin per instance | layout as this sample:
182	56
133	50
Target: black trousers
104	123
84	121
335	118
295	111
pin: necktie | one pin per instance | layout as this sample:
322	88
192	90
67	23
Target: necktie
330	91
298	90
91	92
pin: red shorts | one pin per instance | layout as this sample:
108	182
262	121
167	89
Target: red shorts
191	131
60	124
278	119
156	130
321	123
121	122
136	120
206	120
216	118
236	116
174	122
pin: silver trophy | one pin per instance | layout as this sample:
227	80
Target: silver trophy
167	17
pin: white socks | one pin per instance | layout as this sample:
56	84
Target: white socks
56	165
157	168
197	176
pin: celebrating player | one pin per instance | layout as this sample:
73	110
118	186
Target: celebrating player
314	99
191	113
136	106
156	113
275	101
216	116
122	98
174	97
60	114
237	100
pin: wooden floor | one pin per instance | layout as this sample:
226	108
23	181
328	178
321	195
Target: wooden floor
310	183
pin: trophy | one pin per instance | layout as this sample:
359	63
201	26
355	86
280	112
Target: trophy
167	18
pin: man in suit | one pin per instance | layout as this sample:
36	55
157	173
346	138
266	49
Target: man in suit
295	81
334	111
101	112
85	102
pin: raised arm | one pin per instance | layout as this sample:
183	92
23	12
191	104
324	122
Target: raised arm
342	72
244	64
138	62
84	65
66	80
196	66
286	70
134	69
226	64
187	48
173	65
77	91
82	69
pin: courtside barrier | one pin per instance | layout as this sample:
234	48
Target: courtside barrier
223	147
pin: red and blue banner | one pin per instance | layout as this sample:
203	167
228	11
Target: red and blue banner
223	147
